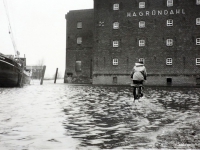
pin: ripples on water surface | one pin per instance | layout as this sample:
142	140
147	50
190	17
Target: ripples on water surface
60	116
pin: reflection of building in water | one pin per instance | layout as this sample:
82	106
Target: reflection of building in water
36	71
104	43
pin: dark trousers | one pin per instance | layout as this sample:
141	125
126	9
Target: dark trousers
137	81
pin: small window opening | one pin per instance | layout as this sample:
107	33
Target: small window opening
69	74
198	81
169	81
114	80
78	66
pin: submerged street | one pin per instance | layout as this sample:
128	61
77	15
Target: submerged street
75	117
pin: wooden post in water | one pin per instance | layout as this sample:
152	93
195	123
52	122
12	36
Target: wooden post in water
43	72
22	74
56	75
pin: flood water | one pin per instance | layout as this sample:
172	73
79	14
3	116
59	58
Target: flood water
61	117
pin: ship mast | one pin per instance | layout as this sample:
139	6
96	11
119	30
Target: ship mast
11	31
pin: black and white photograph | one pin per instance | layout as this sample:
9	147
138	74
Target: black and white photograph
99	74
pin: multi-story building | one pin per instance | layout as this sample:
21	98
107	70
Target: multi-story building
79	47
165	34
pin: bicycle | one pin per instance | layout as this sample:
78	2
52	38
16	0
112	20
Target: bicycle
137	91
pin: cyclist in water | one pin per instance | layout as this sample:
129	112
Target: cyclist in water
138	75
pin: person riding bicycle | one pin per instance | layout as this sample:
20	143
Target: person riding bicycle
139	74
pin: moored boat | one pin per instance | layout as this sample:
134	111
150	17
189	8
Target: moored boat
12	69
9	71
26	78
12	72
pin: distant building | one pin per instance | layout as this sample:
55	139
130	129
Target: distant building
165	34
36	71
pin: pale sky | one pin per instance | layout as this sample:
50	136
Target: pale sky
39	29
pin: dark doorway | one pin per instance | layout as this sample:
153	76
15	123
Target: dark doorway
114	80
78	66
198	81
169	81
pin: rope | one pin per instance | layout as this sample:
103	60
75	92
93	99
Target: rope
10	28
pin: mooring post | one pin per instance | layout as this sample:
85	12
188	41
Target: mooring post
22	75
43	72
56	75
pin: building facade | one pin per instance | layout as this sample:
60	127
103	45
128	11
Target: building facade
36	71
79	47
165	34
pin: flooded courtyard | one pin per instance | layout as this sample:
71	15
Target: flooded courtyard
75	117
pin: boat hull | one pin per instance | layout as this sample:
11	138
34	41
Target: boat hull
9	72
26	78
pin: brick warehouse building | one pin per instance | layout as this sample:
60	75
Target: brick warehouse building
165	34
79	48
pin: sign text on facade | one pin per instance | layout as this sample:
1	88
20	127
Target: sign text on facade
156	12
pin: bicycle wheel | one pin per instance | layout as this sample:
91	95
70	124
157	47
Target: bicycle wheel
140	91
135	92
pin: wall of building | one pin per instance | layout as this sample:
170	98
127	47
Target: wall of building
183	32
36	71
81	73
152	80
96	52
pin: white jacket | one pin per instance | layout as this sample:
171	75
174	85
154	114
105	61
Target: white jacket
139	72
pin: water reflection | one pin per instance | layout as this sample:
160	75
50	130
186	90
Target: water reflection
61	116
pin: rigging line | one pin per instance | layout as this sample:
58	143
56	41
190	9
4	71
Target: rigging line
7	14
10	28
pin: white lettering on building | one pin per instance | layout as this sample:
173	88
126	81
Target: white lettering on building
171	12
153	12
134	14
128	14
156	12
159	12
178	11
147	13
165	12
140	13
183	11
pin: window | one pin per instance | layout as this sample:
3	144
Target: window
79	40
169	3
142	24
115	43
115	61
198	2
169	81
79	25
197	61
116	7
169	61
116	25
198	81
197	21
169	42
78	66
114	80
197	41
169	22
141	60
141	42
141	4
